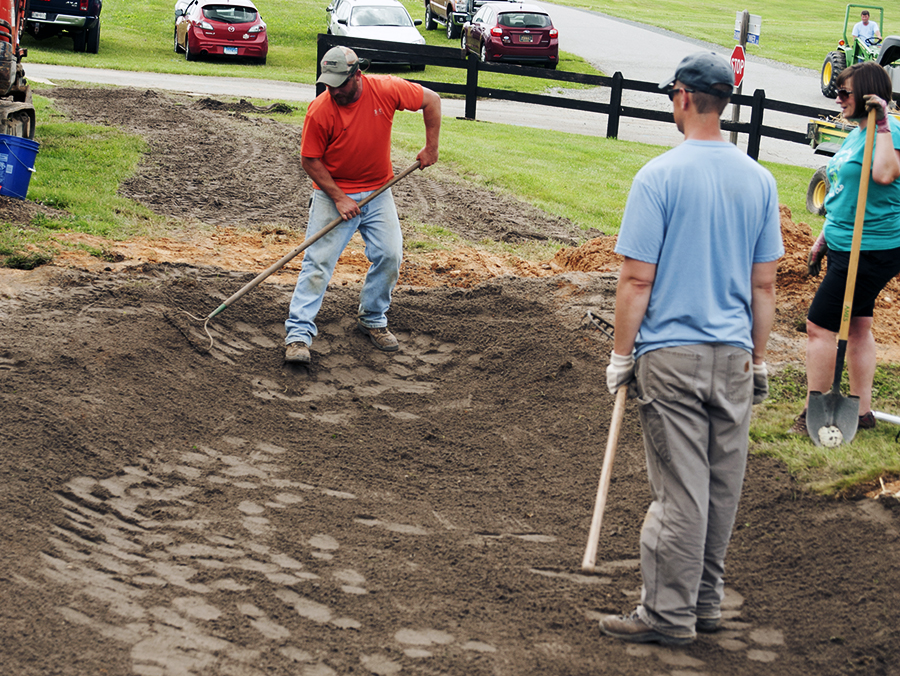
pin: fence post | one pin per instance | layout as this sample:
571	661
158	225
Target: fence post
471	85
756	120
321	47
615	106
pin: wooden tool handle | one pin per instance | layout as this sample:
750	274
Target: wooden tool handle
590	554
858	227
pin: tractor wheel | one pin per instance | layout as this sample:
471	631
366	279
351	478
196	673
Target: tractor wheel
835	62
815	193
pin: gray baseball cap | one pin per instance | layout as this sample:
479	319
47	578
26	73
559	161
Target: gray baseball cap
701	71
338	65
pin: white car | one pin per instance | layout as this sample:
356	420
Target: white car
375	20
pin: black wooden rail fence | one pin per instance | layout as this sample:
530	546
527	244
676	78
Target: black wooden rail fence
450	57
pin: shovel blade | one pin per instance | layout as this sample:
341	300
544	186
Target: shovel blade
832	410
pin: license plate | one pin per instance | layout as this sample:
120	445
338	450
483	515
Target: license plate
39	15
525	38
231	51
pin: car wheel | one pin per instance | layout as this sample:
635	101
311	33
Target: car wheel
417	66
452	28
175	40
261	61
80	41
484	54
188	54
93	38
430	23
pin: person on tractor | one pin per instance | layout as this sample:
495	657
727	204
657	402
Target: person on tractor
865	30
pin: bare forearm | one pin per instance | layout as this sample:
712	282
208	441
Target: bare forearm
345	205
431	114
762	305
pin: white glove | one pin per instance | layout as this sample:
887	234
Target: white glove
760	383
619	372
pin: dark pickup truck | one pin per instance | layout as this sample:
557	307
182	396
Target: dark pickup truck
78	18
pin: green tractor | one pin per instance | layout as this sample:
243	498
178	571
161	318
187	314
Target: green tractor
850	50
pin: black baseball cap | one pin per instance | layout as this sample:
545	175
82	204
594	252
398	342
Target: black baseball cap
701	72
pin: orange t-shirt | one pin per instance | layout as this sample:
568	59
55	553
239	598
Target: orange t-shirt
354	142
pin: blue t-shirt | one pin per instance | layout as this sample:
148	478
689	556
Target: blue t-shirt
703	213
881	227
865	31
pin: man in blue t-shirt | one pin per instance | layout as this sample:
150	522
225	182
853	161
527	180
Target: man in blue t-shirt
695	303
865	30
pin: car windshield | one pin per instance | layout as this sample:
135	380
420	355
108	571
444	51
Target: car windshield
380	16
524	20
229	14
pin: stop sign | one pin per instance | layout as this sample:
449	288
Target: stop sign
737	64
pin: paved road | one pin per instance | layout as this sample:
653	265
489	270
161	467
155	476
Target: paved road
579	30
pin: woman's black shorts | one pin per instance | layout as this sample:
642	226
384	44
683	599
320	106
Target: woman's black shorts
875	270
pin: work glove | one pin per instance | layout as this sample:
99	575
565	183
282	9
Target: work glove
619	372
881	112
760	383
816	254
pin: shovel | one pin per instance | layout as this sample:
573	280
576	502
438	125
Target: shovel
830	409
588	564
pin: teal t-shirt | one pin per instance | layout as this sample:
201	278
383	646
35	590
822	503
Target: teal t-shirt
881	227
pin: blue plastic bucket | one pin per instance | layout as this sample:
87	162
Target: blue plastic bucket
17	157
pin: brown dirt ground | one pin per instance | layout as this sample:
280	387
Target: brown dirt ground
174	509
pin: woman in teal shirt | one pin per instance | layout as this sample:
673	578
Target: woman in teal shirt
861	87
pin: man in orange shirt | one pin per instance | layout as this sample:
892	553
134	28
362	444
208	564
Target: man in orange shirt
346	150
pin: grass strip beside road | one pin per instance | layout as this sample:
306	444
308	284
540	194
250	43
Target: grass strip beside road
586	179
800	33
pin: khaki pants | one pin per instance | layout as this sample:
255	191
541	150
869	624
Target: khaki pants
695	414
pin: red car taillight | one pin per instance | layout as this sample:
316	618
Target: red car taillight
554	33
496	31
83	5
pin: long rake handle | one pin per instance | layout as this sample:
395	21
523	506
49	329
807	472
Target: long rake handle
590	554
855	246
308	242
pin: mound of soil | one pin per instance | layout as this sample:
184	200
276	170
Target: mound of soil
179	501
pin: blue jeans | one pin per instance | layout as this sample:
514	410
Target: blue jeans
380	229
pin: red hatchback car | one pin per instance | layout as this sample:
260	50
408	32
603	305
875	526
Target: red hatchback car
512	32
221	28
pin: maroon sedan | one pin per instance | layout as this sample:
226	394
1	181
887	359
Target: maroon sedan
512	32
221	28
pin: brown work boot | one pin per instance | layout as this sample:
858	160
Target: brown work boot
297	353
381	338
799	426
633	629
708	625
866	421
